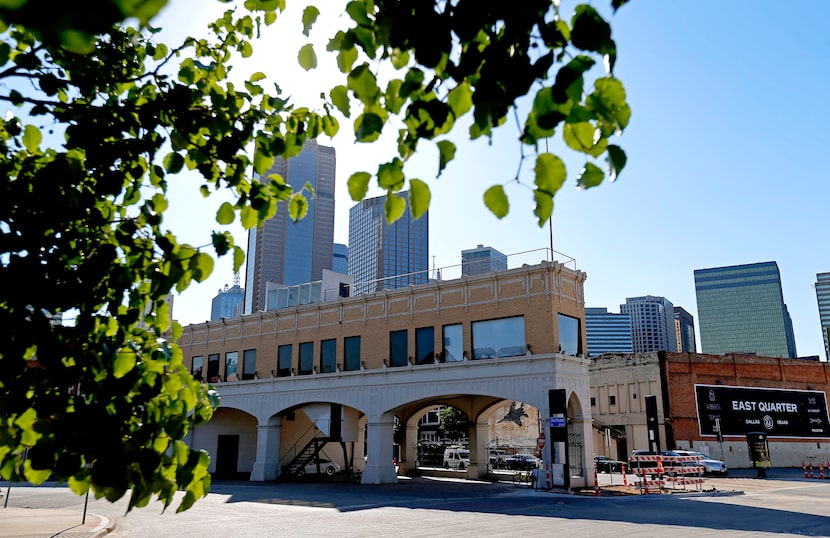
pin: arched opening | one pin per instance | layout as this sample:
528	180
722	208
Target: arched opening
230	437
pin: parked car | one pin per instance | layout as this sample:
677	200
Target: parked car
521	462
497	458
710	466
607	465
326	466
456	457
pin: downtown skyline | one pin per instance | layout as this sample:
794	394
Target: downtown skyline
724	166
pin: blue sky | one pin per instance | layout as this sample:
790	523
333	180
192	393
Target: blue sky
725	166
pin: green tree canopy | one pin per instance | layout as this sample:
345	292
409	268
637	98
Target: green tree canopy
102	116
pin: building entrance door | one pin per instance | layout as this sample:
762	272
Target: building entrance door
227	455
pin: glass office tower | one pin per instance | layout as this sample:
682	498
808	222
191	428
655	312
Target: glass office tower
740	309
607	332
823	297
386	257
481	260
286	252
684	325
652	323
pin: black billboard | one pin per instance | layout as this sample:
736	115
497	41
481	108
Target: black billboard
777	412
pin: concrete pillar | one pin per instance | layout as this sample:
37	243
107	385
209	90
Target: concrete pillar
379	466
479	452
584	427
266	466
409	450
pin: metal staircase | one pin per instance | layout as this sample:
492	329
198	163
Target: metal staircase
308	454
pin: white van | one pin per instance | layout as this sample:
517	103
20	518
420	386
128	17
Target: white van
456	457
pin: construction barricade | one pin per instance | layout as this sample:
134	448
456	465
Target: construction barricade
657	473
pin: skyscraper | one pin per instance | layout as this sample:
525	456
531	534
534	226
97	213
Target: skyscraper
607	332
652	323
481	260
382	256
340	264
823	297
228	302
286	252
684	325
740	309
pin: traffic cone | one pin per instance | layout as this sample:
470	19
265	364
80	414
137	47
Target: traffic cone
625	478
811	469
821	470
804	466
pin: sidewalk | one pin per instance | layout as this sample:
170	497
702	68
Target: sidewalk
38	522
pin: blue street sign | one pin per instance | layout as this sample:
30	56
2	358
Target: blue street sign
557	422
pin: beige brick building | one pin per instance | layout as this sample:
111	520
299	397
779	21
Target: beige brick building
347	371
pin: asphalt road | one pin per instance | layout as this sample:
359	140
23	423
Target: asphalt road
785	504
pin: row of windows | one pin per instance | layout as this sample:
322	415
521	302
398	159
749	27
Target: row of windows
494	338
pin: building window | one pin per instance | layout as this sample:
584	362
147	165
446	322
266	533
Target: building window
453	343
425	345
503	337
213	368
612	400
398	344
231	365
196	367
306	358
351	353
284	360
593	401
328	356
249	364
569	341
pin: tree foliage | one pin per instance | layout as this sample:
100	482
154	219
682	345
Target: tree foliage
453	423
103	117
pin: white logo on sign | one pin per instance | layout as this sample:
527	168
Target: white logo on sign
768	423
711	395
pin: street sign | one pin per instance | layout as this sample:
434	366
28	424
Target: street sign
557	422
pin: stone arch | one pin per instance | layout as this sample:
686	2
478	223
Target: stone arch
230	437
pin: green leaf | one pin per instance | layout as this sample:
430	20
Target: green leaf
202	266
125	361
173	163
226	214
616	161
31	138
550	173
394	207
340	98
390	175
364	85
368	127
238	258
590	176
544	206
589	31
310	14
262	162
307	57
35	476
249	217
580	136
159	203
496	201
419	197
346	59
358	184
297	206
460	99
25	422
446	152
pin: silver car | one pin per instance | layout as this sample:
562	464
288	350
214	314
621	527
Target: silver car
327	467
710	466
